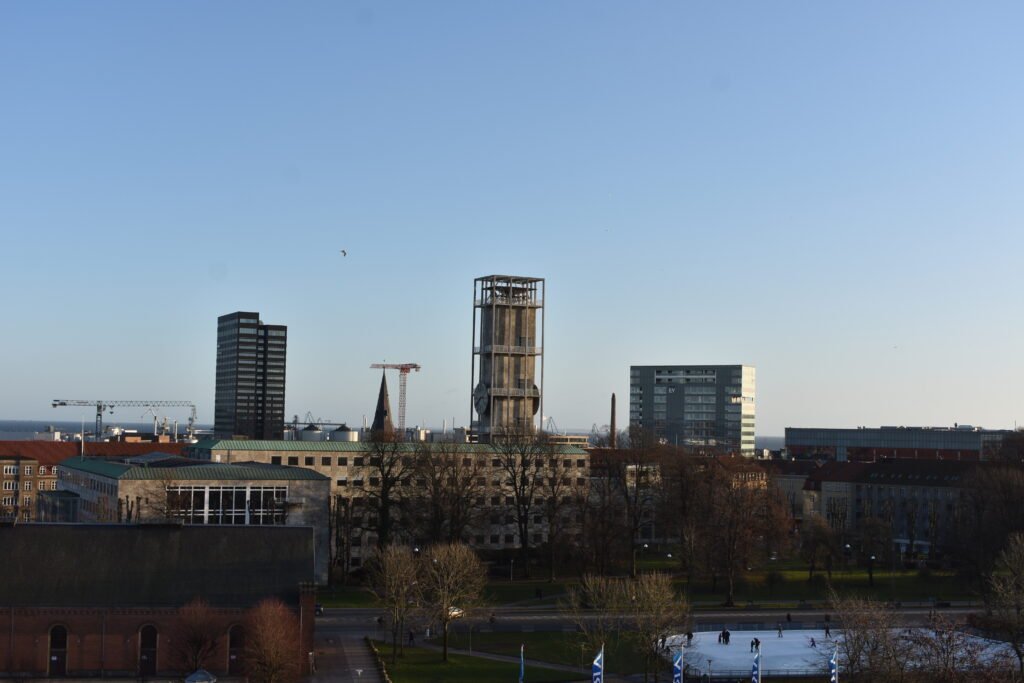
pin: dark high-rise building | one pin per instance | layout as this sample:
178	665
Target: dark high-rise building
250	377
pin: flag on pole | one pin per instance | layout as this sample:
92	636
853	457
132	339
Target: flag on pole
677	666
755	673
597	671
522	663
833	667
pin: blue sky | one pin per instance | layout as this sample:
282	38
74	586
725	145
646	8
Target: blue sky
828	191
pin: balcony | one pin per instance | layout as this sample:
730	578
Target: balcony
509	350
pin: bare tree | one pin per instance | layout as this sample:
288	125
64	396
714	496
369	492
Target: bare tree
272	643
196	635
656	612
560	490
522	459
638	474
1005	617
818	544
604	537
872	648
596	606
945	652
392	573
389	469
449	483
451	581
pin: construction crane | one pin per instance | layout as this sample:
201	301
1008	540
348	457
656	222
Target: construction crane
403	377
102	406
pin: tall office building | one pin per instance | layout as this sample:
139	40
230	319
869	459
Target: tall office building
250	377
503	381
695	405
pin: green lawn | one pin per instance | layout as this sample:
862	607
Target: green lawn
505	592
793	586
425	666
560	648
346	596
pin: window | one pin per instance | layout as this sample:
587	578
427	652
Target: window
42	485
275	460
309	461
28	470
293	460
325	461
10	470
8	500
343	462
42	469
9	486
358	462
53	485
342	482
26	501
28	486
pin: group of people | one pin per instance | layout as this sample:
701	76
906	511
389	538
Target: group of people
755	645
723	637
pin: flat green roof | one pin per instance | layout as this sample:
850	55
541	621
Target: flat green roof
199	471
344	446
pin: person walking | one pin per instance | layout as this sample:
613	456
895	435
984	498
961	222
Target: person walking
779	626
828	631
757	644
813	644
412	638
751	645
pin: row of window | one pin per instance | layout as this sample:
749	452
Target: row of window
27	486
12	470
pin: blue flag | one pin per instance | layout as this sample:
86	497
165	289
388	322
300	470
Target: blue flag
597	670
833	667
755	673
522	663
677	666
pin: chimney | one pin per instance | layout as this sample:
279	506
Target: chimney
611	428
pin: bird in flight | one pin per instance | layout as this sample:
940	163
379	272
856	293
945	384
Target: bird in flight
344	253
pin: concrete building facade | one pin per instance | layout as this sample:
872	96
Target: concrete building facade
506	383
706	406
167	488
960	442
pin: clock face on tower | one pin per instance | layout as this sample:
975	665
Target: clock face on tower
481	401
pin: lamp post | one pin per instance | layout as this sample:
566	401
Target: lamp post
871	571
511	569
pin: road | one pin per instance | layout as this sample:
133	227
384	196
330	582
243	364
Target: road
363	621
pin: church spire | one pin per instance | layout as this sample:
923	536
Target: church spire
382	416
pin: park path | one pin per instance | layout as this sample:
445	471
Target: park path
584	674
344	658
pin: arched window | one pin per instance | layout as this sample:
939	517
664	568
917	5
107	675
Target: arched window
58	664
147	650
236	644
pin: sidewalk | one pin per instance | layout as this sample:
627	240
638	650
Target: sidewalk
344	658
584	674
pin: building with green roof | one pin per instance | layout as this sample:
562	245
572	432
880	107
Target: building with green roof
161	488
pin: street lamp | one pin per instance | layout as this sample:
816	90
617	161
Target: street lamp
511	569
871	571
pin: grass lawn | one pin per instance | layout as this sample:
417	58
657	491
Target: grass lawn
346	596
425	666
505	592
560	648
792	585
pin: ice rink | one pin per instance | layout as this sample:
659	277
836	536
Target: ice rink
790	655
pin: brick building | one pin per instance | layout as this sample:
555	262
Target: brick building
103	600
29	468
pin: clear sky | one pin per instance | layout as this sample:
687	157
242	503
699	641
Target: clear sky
832	192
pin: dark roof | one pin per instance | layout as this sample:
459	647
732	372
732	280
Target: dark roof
364	447
900	472
52	452
835	471
184	468
382	415
124	565
791	468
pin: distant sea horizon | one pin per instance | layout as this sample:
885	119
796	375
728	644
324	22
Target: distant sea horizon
73	427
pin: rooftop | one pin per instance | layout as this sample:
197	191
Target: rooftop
345	446
125	565
187	469
53	452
